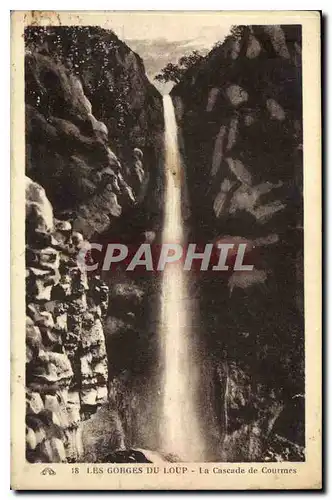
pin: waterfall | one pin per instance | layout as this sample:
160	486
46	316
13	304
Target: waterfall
180	433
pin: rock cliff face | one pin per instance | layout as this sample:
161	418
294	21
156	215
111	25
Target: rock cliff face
66	371
94	165
94	125
93	129
239	113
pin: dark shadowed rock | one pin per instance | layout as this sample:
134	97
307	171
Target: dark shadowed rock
66	367
240	118
126	456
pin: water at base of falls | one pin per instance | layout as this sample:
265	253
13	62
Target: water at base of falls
180	433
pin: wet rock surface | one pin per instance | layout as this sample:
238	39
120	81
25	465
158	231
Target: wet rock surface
126	457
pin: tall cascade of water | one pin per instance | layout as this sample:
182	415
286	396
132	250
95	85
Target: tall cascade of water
180	433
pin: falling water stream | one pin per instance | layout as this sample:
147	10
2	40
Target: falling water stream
180	429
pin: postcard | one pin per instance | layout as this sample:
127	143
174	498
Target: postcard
166	250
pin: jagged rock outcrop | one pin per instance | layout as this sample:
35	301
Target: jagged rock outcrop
240	118
113	79
66	370
68	151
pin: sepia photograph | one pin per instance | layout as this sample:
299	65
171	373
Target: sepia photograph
163	212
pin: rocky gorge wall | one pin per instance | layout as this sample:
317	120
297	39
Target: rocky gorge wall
66	370
240	117
93	133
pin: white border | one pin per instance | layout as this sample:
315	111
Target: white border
326	6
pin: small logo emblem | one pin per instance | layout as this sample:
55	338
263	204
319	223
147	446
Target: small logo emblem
48	471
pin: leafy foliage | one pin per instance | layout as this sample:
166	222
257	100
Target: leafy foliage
174	72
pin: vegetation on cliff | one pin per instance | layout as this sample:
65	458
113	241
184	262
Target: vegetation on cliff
113	79
174	72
